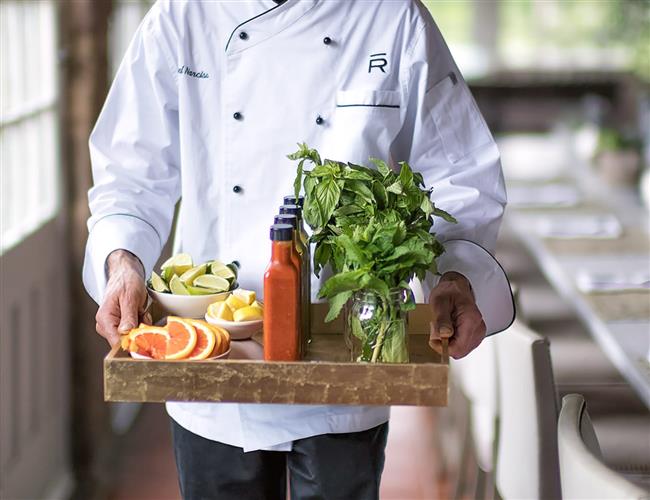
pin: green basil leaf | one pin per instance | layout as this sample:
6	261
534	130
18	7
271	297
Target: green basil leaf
406	176
395	187
360	189
342	282
426	206
327	194
445	215
381	165
297	183
336	304
380	194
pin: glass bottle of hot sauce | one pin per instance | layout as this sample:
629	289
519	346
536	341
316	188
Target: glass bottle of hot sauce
305	292
281	299
299	250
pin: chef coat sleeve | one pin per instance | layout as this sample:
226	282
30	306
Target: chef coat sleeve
134	151
445	138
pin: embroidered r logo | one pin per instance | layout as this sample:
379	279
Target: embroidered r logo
377	61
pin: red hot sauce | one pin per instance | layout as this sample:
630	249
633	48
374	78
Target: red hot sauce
281	298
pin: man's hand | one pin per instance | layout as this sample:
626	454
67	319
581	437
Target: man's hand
455	315
125	298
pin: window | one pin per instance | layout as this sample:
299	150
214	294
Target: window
552	35
29	159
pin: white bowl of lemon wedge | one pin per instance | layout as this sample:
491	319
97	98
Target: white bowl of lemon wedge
186	290
239	313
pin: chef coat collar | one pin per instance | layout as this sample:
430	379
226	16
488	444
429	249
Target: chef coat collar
267	24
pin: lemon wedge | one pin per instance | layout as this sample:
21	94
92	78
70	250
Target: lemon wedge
220	310
235	302
248	313
247	296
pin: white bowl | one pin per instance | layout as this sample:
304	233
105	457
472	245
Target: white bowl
238	330
186	306
225	355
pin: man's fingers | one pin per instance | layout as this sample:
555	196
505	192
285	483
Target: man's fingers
108	330
442	324
107	319
129	307
473	335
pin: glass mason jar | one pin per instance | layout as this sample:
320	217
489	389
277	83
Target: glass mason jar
375	328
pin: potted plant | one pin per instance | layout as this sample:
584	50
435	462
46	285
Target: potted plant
373	227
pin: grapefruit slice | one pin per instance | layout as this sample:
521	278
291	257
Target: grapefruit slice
182	338
149	341
205	340
223	340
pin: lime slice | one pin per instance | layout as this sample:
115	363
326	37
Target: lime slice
216	283
188	277
177	287
225	273
157	283
180	263
197	290
167	274
216	265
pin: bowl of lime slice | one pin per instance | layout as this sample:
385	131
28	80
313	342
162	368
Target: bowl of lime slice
185	289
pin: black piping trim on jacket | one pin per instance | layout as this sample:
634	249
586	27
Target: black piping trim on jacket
249	20
128	215
368	105
512	298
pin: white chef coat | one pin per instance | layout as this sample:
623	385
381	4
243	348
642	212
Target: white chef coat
385	86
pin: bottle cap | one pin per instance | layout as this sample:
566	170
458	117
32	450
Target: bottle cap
291	200
281	232
286	219
291	209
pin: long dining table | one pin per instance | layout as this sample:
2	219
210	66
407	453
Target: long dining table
591	241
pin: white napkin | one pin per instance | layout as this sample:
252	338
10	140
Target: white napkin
558	195
603	281
580	226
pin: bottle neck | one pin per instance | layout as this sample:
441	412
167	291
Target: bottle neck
281	251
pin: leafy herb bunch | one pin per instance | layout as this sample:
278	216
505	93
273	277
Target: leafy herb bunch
373	226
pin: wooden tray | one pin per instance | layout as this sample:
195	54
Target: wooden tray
326	377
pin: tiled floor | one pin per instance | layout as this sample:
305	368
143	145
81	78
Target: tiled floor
147	470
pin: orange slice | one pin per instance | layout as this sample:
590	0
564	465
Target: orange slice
223	340
149	341
205	340
182	338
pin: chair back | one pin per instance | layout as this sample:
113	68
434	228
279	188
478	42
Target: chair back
527	460
477	377
582	471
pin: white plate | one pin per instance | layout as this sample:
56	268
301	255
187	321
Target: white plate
225	355
238	330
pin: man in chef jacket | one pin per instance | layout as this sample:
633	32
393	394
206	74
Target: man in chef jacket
209	99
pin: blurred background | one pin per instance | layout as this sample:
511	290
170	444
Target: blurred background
563	85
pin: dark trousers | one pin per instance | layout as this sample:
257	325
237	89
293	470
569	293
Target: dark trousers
331	466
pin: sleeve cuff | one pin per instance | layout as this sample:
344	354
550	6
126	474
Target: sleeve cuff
488	279
115	232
